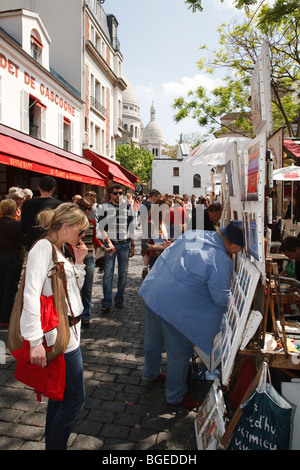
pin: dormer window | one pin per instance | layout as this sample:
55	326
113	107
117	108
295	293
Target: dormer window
36	45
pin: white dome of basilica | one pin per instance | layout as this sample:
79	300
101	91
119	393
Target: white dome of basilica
153	132
129	95
131	112
151	136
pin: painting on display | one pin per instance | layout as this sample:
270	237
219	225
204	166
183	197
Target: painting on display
255	155
210	419
253	173
234	321
243	171
213	360
253	232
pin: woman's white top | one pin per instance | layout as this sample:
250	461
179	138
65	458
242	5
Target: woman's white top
39	264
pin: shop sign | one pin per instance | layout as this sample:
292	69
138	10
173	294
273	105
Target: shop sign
13	69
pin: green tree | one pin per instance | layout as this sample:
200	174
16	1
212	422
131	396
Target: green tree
240	45
267	14
137	160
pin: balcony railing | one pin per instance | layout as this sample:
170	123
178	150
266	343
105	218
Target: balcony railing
98	106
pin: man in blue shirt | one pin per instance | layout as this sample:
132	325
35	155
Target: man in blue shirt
186	295
116	223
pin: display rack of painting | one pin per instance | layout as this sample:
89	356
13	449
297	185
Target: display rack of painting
234	321
254	234
210	419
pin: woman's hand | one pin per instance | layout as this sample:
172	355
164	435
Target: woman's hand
80	251
38	356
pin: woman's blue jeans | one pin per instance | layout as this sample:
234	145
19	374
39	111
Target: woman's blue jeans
160	334
122	255
86	291
61	415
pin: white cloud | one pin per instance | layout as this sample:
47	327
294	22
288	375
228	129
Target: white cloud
228	4
186	84
145	90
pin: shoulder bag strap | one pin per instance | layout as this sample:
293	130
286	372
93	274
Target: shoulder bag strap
59	268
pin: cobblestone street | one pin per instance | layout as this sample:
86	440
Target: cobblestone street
120	411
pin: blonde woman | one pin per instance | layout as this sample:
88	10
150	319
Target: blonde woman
65	224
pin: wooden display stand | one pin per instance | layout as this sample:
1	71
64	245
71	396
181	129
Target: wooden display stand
273	303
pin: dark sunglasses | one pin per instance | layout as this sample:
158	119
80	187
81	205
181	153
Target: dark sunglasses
80	232
118	192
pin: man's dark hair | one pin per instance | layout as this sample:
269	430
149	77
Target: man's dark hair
215	207
47	183
115	186
154	192
290	244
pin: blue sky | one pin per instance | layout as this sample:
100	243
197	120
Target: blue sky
160	41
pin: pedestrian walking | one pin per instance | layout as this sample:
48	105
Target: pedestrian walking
91	242
11	258
144	220
91	196
19	198
65	224
160	223
211	215
116	223
32	207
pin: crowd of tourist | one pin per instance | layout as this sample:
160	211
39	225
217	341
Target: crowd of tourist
183	251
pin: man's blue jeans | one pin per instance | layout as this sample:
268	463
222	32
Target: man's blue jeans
122	255
86	291
61	415
160	334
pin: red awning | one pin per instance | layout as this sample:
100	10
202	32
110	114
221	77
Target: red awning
130	176
292	146
22	155
110	169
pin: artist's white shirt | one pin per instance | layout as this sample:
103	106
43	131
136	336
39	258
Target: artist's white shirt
39	264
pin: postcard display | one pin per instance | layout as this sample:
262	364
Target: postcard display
209	422
245	178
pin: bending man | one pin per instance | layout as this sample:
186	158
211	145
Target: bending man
186	295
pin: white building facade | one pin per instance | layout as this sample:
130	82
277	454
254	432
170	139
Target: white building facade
40	114
33	100
76	40
175	176
85	52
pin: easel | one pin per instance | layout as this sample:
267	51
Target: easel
282	359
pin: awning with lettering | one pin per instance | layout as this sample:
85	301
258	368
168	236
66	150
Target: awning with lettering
111	170
26	156
293	146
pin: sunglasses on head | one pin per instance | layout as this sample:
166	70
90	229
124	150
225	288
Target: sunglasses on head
115	193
